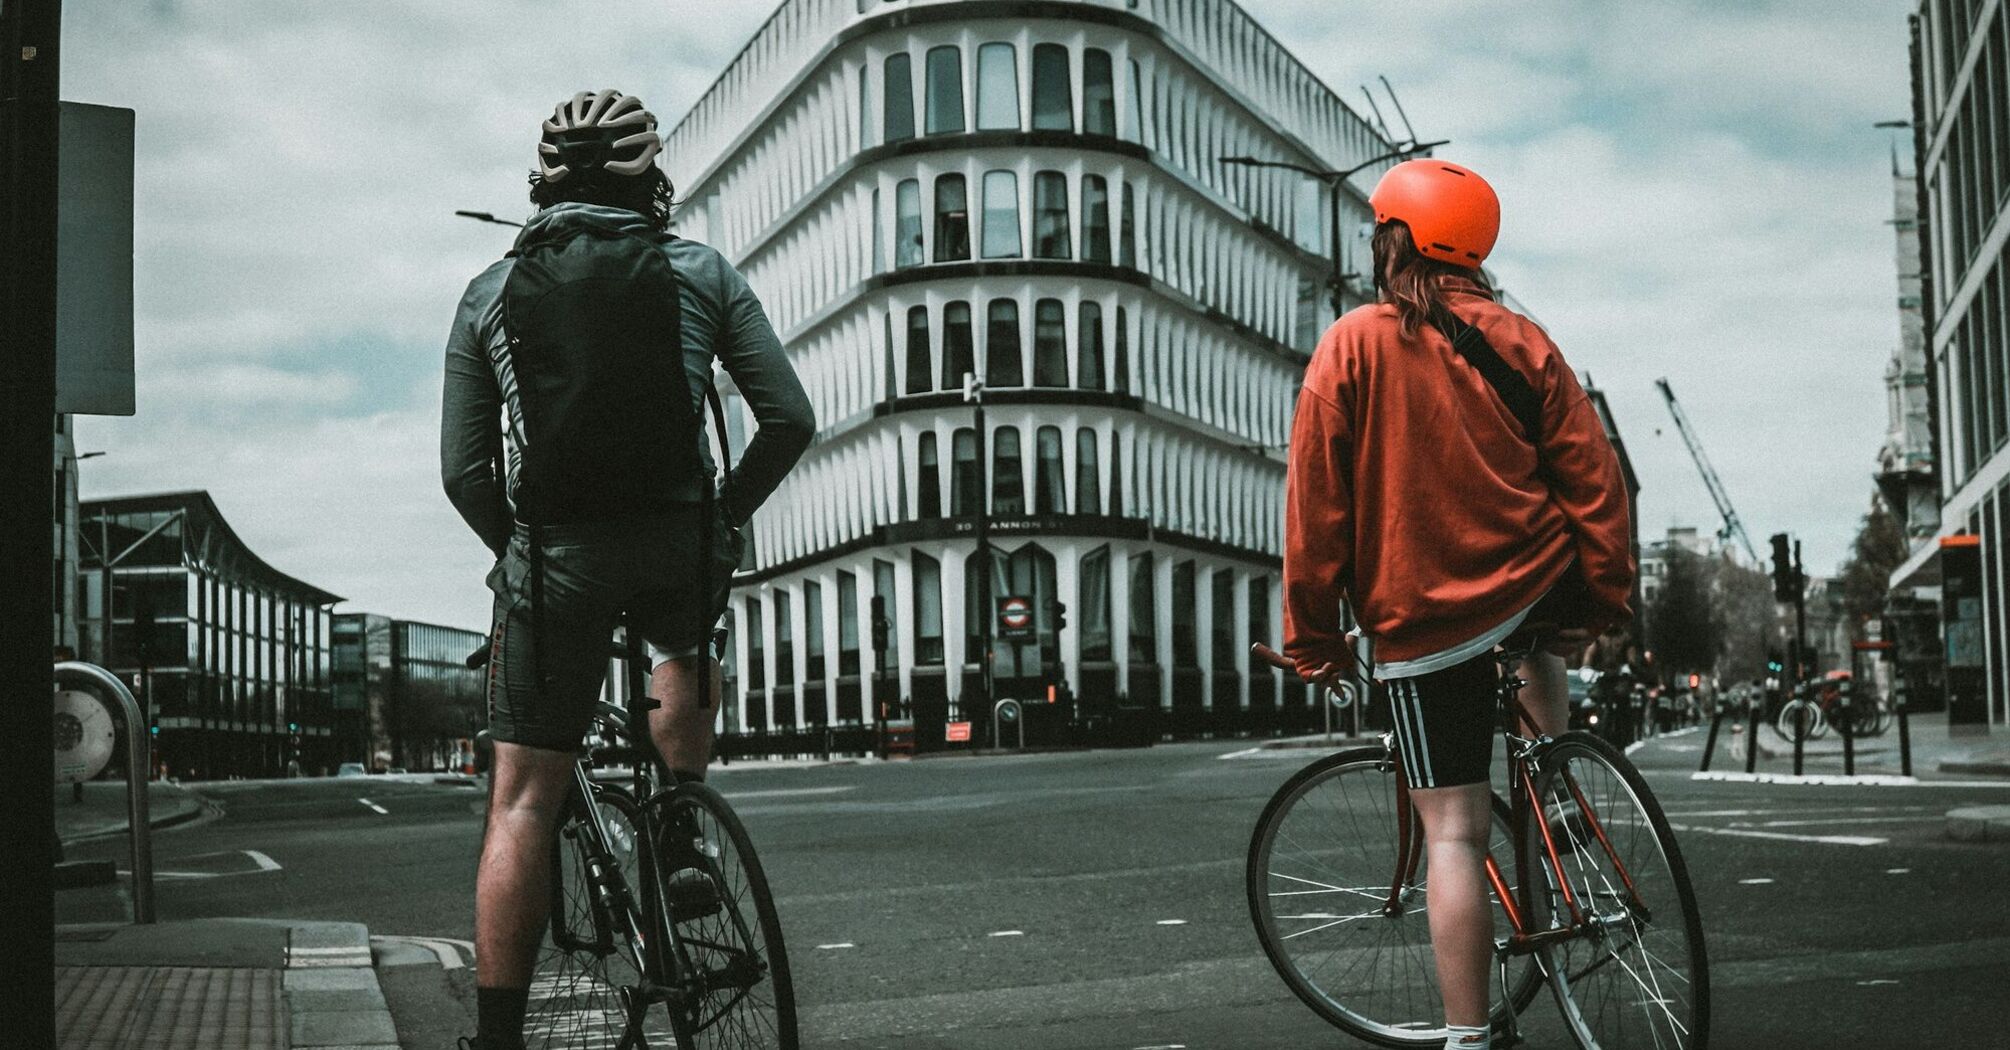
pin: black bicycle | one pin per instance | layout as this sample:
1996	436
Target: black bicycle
658	899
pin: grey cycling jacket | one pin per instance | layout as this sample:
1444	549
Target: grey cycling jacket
722	320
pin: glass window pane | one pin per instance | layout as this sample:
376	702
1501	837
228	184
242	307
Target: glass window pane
736	443
1002	353
907	224
929	480
919	364
1120	364
1089	346
1051	239
847	623
1136	109
1185	636
1092	606
1116	476
1095	219
952	219
945	91
898	88
1144	610
864	107
1001	215
997	88
1008	484
1099	93
878	235
1048	494
927	609
963	477
1088	483
1050	343
882	588
958	357
1053	94
1127	251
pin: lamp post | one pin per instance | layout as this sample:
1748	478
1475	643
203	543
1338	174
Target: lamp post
482	216
1334	180
973	392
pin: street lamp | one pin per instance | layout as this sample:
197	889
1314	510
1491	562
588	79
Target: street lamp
482	216
1334	180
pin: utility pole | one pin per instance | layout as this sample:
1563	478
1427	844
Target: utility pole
30	35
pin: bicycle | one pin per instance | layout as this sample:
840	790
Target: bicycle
1600	907
614	949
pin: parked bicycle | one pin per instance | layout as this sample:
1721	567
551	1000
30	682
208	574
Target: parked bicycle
1583	864
621	940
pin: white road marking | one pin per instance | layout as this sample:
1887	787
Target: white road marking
1172	922
1832	840
1009	933
264	862
1635	746
1162	1046
1827	820
833	947
1755	882
1875	981
1800	810
374	806
1898	871
443	949
778	792
1832	779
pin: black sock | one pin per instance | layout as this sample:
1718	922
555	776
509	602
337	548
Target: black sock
499	1015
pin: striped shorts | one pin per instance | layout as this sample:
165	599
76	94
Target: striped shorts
1445	722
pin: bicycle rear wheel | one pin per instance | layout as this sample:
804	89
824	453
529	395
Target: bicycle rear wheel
586	978
731	963
1637	976
1321	866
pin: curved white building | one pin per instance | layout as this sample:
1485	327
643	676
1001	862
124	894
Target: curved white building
1029	193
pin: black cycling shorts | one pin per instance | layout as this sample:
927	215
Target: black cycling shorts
1445	722
547	666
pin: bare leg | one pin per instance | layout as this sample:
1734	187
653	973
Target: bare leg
1457	821
527	794
1547	694
688	689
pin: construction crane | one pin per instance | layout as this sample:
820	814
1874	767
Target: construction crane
1732	526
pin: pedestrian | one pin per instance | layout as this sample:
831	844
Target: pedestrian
596	336
1451	495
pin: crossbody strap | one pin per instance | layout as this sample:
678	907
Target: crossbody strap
1509	384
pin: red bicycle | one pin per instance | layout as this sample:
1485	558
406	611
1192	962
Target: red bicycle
1582	862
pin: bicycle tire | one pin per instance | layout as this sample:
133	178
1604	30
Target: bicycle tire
1415	1021
1645	1000
584	982
719	968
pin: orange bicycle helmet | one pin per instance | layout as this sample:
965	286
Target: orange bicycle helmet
1452	213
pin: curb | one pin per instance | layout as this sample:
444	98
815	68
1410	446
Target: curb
203	809
1309	742
1979	824
332	995
1984	769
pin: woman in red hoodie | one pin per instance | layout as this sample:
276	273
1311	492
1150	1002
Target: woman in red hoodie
1447	519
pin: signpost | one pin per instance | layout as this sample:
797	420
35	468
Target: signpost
1015	618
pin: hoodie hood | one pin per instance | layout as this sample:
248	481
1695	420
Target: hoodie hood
570	217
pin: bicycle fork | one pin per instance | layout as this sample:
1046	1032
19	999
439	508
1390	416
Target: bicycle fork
612	895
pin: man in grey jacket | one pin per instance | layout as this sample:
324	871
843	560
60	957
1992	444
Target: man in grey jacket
596	175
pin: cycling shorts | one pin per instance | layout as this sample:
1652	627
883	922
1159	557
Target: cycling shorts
1445	722
547	666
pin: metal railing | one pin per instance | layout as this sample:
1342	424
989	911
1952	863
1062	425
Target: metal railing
138	750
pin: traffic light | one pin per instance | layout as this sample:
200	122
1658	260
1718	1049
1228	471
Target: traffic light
1059	613
1775	661
880	624
293	727
1785	579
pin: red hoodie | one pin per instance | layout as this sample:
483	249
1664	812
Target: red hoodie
1413	494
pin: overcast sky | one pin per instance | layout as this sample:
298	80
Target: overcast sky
1691	190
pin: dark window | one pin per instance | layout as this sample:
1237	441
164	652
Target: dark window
1259	610
1116	477
1099	93
928	483
927	610
997	88
887	327
1127	251
1049	493
1136	107
1120	363
945	91
1050	343
785	641
1001	215
1088	485
907	224
952	219
1092	606
1051	238
847	623
1223	628
878	235
1185	637
1144	608
918	362
1053	95
964	494
1002	354
1089	346
882	587
813	628
1008	481
864	107
899	90
1095	219
958	359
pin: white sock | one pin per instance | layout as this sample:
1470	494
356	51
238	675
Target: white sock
1461	1037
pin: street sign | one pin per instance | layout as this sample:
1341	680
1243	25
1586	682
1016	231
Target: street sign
94	261
84	736
956	732
1015	618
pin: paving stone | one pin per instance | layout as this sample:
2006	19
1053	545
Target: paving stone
169	1008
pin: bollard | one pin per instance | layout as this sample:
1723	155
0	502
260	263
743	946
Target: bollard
138	759
1752	736
1904	743
1848	729
1710	745
1801	726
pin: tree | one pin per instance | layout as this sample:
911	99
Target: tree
1879	549
1685	630
1750	620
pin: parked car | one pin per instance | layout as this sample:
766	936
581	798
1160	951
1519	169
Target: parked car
351	769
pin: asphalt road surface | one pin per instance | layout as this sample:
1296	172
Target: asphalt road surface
1095	899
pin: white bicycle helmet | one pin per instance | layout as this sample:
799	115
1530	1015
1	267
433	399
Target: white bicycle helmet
598	129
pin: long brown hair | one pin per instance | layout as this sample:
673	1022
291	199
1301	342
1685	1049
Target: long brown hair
1412	282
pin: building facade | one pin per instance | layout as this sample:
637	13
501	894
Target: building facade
1961	123
1029	196
228	656
404	696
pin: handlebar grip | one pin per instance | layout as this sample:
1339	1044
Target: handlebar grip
1272	657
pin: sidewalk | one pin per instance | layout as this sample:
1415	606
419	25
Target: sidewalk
103	812
1935	749
219	984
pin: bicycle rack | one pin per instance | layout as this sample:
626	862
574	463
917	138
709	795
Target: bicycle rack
138	754
1008	713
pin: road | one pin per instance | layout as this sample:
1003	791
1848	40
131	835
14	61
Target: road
1094	899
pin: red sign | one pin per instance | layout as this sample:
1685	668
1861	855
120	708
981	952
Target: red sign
1015	617
956	732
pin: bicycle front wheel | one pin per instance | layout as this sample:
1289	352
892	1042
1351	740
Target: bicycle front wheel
1351	939
1635	976
730	964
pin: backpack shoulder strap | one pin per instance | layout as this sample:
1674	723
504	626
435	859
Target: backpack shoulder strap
1509	384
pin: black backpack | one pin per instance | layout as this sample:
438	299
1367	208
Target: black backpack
610	428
